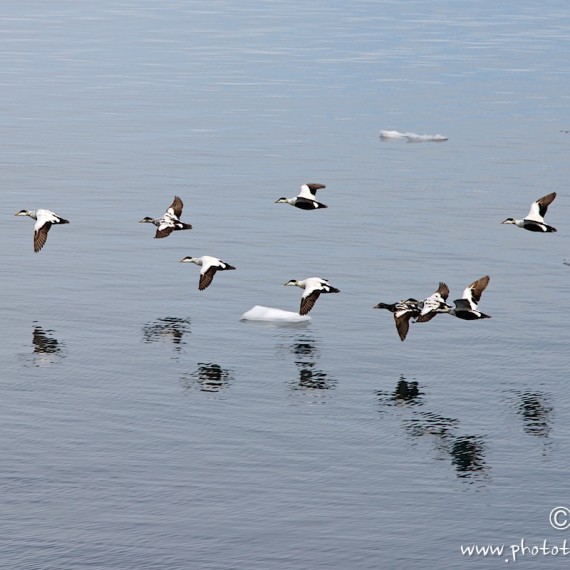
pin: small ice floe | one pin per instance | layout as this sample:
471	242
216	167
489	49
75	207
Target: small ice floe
410	137
270	315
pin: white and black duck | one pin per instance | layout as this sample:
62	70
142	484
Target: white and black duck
210	266
403	311
534	221
44	221
466	307
170	222
313	287
306	199
434	304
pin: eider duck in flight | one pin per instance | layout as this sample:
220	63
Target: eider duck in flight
170	221
403	312
306	200
466	307
434	304
534	221
209	267
313	287
44	220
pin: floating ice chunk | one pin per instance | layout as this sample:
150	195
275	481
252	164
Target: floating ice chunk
410	137
396	135
268	314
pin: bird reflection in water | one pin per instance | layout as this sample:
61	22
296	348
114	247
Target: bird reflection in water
305	347
468	455
47	349
311	379
405	394
209	377
536	413
170	329
430	424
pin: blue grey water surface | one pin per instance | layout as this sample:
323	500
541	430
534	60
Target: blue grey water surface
143	426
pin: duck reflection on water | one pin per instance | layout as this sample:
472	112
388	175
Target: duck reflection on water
466	452
209	377
47	349
170	329
536	413
43	342
468	455
406	394
311	378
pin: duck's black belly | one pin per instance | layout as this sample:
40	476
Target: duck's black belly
467	316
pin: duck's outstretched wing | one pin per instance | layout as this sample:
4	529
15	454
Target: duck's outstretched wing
474	291
539	208
206	277
175	208
402	320
308	301
40	235
164	230
309	191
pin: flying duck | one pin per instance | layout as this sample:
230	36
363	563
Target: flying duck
313	287
44	220
534	221
434	304
466	307
170	221
403	311
209	267
306	200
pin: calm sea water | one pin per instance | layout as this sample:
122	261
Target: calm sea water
143	425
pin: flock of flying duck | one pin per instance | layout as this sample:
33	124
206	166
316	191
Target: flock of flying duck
465	308
421	311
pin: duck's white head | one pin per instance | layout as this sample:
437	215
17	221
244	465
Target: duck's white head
146	220
23	213
283	201
509	221
291	282
189	259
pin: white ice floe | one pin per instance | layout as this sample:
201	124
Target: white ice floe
410	137
268	314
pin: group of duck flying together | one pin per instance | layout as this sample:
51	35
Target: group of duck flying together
466	307
404	310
